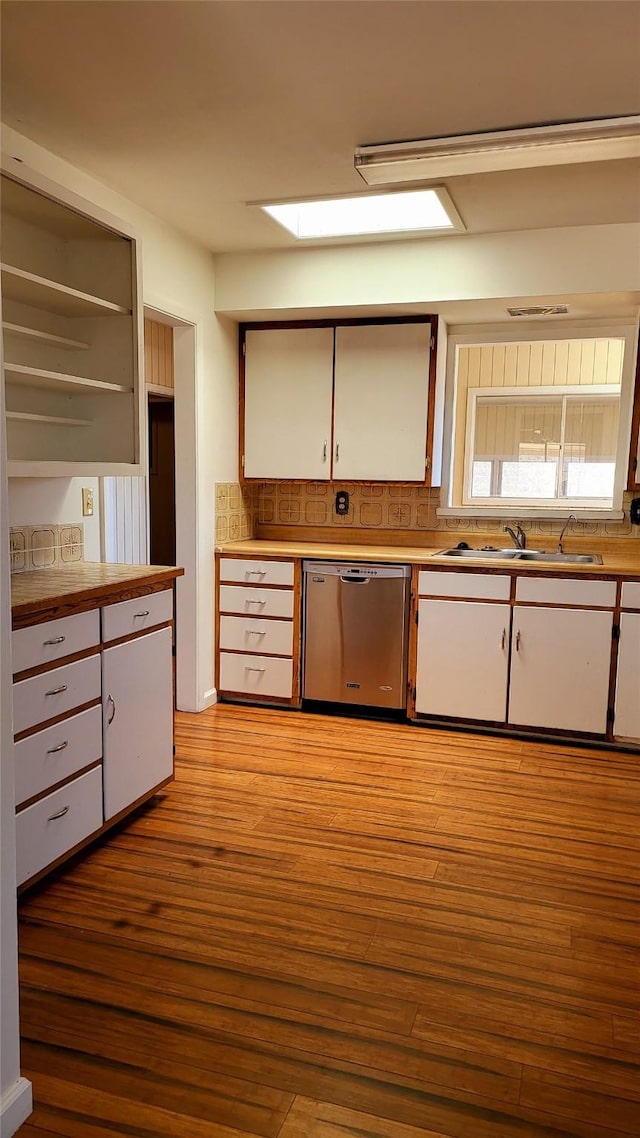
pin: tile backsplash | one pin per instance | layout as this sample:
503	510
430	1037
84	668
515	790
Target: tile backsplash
45	546
394	507
236	510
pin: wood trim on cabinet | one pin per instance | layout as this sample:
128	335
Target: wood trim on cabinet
633	474
44	723
94	596
346	322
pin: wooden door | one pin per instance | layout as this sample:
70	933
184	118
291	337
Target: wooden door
626	724
162	482
288	385
381	400
463	654
137	701
560	662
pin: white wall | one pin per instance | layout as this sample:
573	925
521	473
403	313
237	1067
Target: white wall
15	1092
466	267
178	279
56	500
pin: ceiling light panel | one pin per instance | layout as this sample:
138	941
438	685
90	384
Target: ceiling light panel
560	144
417	211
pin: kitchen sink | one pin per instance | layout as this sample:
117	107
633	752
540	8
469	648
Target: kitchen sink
525	555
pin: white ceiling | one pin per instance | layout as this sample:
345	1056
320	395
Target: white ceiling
194	108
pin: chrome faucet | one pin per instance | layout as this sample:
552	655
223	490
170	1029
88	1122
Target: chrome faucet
519	537
571	518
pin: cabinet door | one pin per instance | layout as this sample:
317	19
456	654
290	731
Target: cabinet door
381	398
560	660
137	698
626	724
288	384
463	653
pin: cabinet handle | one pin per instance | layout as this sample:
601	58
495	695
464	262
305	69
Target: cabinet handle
58	814
254	602
60	747
504	639
56	691
518	640
324	451
111	700
254	632
337	452
54	640
252	668
255	572
145	612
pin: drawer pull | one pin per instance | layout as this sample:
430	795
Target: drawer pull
254	602
112	701
255	572
254	632
60	747
252	668
54	640
145	612
56	691
58	814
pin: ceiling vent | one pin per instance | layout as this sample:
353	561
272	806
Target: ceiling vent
540	310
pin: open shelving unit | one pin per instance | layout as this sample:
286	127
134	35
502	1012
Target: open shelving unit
72	334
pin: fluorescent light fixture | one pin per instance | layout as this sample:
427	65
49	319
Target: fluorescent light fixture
429	210
558	145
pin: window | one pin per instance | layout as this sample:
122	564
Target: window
540	424
555	446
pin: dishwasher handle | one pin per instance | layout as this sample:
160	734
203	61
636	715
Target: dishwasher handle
355	580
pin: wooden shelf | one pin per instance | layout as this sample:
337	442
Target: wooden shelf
39	292
63	421
58	381
34	335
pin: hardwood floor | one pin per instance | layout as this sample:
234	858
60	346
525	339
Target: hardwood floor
334	928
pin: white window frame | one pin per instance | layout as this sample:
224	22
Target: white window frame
608	390
478	335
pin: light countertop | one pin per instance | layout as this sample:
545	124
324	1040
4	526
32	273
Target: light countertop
621	562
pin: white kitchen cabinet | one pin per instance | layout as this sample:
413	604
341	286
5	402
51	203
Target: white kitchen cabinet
381	402
560	664
137	702
626	724
71	335
288	376
348	402
463	659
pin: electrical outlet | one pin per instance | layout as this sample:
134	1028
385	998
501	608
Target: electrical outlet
342	503
87	502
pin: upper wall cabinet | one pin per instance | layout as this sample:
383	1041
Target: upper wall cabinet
347	402
71	338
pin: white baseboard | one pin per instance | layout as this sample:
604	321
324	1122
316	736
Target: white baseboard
16	1105
210	697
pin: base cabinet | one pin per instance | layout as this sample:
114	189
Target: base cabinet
626	724
560	665
463	659
137	703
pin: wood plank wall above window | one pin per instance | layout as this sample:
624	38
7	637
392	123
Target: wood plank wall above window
158	357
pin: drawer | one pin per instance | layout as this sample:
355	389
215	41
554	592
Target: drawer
55	693
49	756
247	634
256	572
126	617
256	675
570	591
51	641
468	586
631	594
256	602
49	828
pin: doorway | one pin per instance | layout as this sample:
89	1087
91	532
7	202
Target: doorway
162	481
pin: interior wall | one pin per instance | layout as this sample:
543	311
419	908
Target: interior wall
178	279
56	501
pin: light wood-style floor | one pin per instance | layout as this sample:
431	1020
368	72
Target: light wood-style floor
332	928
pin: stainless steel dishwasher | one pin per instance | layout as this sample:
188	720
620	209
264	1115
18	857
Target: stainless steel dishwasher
355	633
